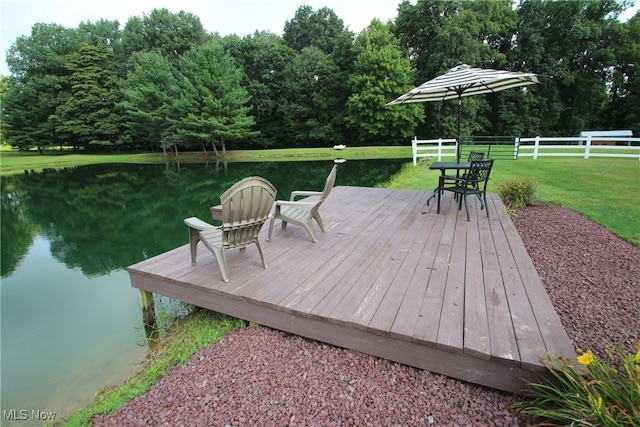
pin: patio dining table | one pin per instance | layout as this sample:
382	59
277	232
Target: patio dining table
443	167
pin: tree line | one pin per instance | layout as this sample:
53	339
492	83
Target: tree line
163	82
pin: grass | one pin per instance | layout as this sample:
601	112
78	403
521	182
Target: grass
195	331
605	190
12	161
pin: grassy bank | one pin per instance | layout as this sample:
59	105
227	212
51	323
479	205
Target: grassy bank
12	161
197	330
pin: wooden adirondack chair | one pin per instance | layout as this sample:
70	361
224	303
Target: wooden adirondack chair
303	212
245	208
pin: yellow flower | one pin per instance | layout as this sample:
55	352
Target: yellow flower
586	358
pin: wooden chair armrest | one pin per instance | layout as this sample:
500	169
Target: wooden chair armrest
197	224
303	193
294	203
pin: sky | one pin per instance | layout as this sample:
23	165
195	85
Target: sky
225	17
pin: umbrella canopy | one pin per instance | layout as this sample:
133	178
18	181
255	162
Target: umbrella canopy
463	80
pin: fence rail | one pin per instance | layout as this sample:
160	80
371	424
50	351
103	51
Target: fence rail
579	147
432	147
513	148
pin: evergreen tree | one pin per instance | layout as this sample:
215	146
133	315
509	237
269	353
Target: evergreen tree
212	104
87	112
147	92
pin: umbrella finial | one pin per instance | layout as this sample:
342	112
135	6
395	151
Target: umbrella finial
460	66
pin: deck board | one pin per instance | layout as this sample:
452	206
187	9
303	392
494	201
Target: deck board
391	278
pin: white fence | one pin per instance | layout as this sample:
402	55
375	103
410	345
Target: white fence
572	146
433	147
578	147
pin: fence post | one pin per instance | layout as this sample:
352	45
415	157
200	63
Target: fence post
516	147
439	149
536	144
414	148
587	148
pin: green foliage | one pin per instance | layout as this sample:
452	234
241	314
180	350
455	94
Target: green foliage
315	86
212	104
517	193
624	108
147	92
320	29
577	51
311	110
368	118
86	112
172	34
37	65
263	58
603	392
26	109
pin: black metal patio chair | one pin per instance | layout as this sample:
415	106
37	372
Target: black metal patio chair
474	182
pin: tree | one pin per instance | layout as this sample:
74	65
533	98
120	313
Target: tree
87	112
263	57
107	33
437	35
37	66
173	34
320	29
212	104
316	83
623	111
381	73
311	100
147	93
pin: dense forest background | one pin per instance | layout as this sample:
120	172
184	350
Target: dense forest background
163	82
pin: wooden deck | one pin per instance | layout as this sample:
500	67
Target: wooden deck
390	278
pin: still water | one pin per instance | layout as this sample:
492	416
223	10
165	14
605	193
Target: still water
70	320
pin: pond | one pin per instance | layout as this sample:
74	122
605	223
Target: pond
71	323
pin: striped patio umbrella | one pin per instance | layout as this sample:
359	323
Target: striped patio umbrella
463	80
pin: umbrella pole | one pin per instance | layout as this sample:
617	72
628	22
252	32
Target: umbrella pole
458	141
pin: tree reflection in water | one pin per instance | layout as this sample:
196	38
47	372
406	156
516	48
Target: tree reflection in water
102	218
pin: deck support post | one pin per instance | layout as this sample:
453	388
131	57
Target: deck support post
148	310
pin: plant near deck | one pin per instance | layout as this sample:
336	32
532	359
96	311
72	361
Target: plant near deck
603	392
517	193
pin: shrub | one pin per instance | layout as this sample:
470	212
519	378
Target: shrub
605	393
517	193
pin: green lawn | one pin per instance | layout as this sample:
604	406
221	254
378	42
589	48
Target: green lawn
12	161
606	190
